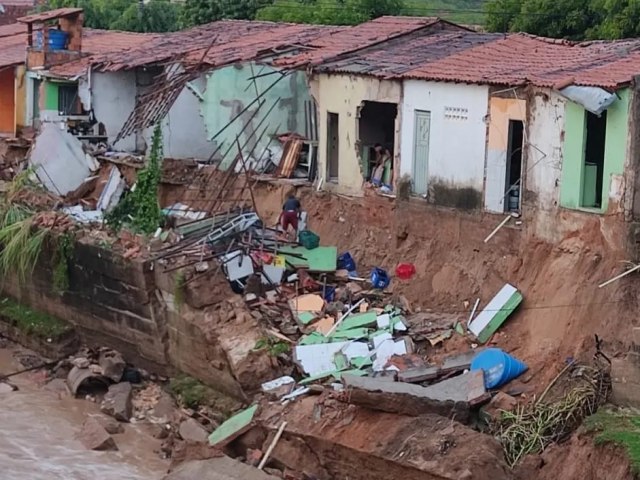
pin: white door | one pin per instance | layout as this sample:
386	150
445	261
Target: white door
421	151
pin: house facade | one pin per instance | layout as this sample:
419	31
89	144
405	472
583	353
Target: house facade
479	128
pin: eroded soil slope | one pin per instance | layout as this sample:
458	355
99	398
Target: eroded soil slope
563	306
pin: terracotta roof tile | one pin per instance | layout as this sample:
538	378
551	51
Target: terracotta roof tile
13	43
400	55
357	37
519	59
50	15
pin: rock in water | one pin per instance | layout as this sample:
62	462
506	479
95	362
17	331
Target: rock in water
94	437
191	431
117	402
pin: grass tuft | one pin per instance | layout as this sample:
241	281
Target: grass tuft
31	321
618	428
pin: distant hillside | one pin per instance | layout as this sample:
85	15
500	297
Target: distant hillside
460	11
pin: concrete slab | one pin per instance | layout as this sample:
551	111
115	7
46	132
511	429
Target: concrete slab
458	362
450	398
221	468
419	374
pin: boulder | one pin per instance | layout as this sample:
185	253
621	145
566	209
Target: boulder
112	364
117	402
94	437
111	425
192	431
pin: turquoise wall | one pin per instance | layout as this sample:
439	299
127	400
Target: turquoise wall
229	90
573	154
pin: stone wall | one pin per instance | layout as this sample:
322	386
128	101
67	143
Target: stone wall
130	306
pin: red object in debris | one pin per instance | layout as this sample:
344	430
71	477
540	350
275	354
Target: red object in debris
405	271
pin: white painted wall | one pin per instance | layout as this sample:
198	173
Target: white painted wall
183	130
113	96
457	145
543	167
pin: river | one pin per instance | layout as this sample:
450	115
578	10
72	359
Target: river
38	440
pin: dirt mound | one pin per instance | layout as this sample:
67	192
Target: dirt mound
579	458
326	439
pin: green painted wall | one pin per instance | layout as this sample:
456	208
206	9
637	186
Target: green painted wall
573	154
50	96
229	90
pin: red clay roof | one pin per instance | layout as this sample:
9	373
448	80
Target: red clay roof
360	36
230	41
13	44
520	59
50	15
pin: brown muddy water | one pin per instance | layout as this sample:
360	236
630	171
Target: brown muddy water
38	439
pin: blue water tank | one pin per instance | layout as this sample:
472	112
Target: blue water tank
499	368
57	39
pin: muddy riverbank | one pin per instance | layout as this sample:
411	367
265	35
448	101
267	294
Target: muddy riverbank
39	435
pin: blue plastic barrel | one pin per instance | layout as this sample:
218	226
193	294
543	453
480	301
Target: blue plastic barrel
57	40
346	262
499	368
380	278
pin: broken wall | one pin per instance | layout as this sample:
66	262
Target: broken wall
230	90
615	154
183	129
456	140
113	95
501	112
59	160
344	94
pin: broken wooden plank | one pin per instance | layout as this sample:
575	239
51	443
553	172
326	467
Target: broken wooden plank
495	313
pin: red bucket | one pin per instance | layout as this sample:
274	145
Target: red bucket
405	271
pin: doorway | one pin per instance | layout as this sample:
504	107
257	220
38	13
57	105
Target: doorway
333	144
513	185
421	135
376	126
593	168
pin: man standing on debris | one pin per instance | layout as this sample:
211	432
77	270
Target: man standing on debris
290	214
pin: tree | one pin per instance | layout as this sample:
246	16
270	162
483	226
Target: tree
155	16
197	12
572	19
129	15
329	12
